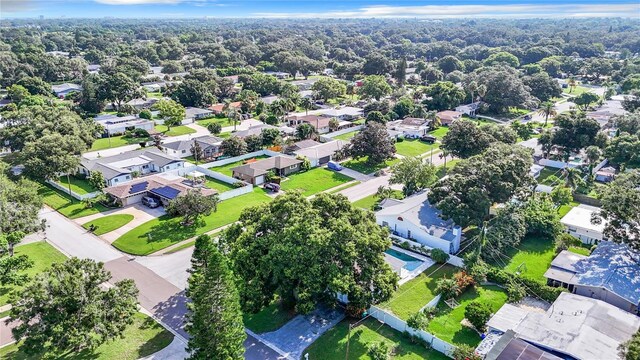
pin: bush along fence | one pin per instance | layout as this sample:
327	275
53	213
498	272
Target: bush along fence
240	157
72	193
532	287
423	249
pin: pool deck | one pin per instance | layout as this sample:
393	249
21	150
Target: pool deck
426	263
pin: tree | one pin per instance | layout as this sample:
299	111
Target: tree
465	139
502	86
507	229
334	124
307	104
118	89
328	88
478	313
502	57
629	123
248	100
96	179
547	109
270	137
450	64
193	93
444	95
35	85
620	210
575	131
91	98
632	103
630	350
254	143
17	92
414	174
372	142
524	131
215	318
401	72
474	184
52	155
543	86
376	116
214	127
375	86
545	140
561	195
305	131
196	151
191	205
172	113
376	64
585	99
66	308
378	351
624	150
465	352
631	82
233	146
540	217
308	251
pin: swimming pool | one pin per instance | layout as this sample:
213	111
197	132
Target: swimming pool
411	262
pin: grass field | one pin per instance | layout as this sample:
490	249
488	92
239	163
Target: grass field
109	223
42	254
370	201
546	174
332	345
78	186
65	204
346	136
113	142
360	165
416	293
440	132
532	259
226	169
414	147
269	319
564	209
165	231
446	325
142	338
175	130
314	181
580	250
222	121
576	91
218	185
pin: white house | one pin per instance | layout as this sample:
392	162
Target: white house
114	125
65	89
321	153
210	146
410	127
193	113
469	109
578	224
342	113
416	219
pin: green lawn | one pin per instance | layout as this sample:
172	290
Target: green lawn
165	231
314	181
157	95
109	223
268	319
440	132
142	338
580	250
78	186
65	204
226	169
113	142
218	185
446	325
175	130
413	147
332	345
222	121
370	201
535	253
547	172
346	136
416	293
42	254
360	165
576	91
450	164
564	209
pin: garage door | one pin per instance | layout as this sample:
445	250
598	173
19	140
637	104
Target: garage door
259	179
324	160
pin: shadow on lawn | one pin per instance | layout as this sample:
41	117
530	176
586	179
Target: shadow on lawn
169	228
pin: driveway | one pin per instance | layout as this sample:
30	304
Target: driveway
141	214
243	125
355	174
302	330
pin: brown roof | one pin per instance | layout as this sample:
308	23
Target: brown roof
317	121
263	166
218	107
414	121
448	115
148	183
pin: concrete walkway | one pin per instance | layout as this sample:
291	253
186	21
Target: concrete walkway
141	214
355	174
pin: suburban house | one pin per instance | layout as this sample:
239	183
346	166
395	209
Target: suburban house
194	113
535	170
319	122
469	109
304	84
416	219
269	99
93	68
448	116
257	130
611	274
65	89
154	86
164	187
140	104
219	108
321	154
210	146
302	144
116	125
278	74
123	167
58	53
574	327
346	113
578	224
606	174
410	127
255	172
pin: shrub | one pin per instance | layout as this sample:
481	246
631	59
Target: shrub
145	114
478	271
439	256
400	139
378	351
533	287
447	287
564	241
418	321
465	352
515	291
463	280
478	313
405	245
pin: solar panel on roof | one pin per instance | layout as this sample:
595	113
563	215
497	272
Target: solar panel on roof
166	192
136	188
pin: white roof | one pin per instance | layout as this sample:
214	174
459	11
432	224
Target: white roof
580	216
507	318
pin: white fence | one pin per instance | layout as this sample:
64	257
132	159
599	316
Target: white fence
400	325
240	157
453	260
433	303
218	176
73	194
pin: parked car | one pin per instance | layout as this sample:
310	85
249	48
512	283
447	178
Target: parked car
150	202
428	139
272	186
334	166
527	117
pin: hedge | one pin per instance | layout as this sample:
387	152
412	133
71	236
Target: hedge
534	288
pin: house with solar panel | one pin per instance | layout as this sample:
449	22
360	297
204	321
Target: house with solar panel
124	167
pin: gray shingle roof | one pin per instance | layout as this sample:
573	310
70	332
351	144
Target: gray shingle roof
263	166
106	167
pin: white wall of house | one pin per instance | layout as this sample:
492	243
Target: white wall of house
584	235
606	296
410	230
177	153
118	179
172	166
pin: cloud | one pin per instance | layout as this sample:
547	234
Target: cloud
137	2
11	6
478	11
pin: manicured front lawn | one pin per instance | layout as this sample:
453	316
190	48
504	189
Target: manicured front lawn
446	325
416	293
440	132
370	201
564	209
142	338
109	223
442	171
222	121
175	130
575	91
346	136
314	181
268	319
332	345
360	165
413	147
532	259
165	231
226	169
218	185
78	186
113	142
42	254
65	204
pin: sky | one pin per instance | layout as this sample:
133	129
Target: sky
319	8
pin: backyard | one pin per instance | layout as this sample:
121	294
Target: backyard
108	223
531	259
447	326
413	147
314	181
42	254
114	141
226	169
218	185
442	171
346	136
175	130
332	345
78	186
142	338
440	132
360	165
65	204
223	121
416	293
370	201
165	231
546	176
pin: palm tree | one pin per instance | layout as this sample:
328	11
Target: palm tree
472	88
547	109
420	111
306	104
593	155
482	91
277	109
384	193
573	177
572	84
234	116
